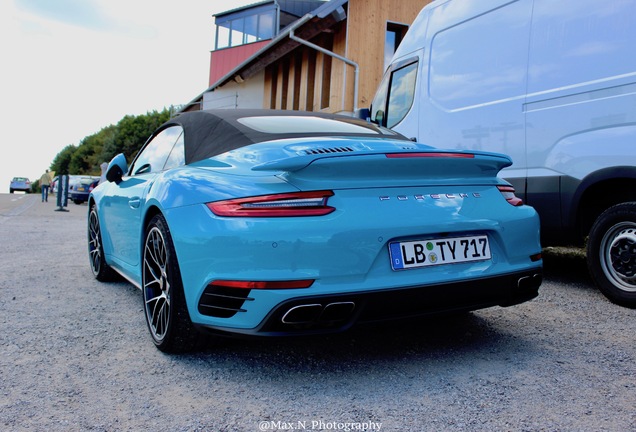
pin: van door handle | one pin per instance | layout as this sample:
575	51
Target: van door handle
134	203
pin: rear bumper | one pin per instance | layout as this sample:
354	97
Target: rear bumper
337	313
78	196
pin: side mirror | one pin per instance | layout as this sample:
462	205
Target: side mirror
379	118
116	169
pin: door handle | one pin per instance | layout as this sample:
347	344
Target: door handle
134	203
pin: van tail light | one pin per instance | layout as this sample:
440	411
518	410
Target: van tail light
312	203
508	193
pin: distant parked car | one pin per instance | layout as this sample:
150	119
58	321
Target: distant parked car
20	184
79	187
53	187
93	185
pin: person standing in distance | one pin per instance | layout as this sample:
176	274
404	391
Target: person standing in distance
45	183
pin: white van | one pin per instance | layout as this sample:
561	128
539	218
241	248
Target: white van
551	84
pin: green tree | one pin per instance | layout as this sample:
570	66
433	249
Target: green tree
133	131
127	137
80	160
62	160
88	157
109	147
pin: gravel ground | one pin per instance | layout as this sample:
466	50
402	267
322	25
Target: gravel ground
76	356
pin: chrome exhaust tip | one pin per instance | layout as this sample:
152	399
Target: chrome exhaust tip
317	313
303	314
529	282
340	311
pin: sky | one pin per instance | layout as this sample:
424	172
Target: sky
72	67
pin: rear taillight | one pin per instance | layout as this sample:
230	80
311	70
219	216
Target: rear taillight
289	284
281	205
508	193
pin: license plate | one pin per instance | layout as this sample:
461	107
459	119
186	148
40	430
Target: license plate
423	253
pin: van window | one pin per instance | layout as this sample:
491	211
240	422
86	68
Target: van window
378	106
395	95
482	60
401	94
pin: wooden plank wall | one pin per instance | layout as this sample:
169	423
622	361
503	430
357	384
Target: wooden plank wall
367	20
309	80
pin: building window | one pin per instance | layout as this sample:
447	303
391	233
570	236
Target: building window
250	31
392	39
243	28
265	26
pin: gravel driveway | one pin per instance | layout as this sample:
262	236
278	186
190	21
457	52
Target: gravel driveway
75	355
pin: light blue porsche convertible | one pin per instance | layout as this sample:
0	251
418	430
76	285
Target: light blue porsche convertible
272	223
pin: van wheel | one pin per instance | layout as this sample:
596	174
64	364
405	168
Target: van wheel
611	253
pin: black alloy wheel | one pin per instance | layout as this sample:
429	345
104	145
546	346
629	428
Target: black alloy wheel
164	301
101	270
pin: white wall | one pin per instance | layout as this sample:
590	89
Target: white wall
248	94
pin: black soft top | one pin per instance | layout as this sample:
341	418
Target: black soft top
209	133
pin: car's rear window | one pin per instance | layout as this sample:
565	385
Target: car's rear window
310	125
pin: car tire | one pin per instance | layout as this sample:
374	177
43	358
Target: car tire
102	271
611	253
165	307
10	190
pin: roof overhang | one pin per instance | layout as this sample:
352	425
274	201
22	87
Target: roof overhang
322	19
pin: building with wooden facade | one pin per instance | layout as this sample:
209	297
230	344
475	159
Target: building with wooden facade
329	59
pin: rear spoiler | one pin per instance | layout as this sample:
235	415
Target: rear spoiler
434	161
